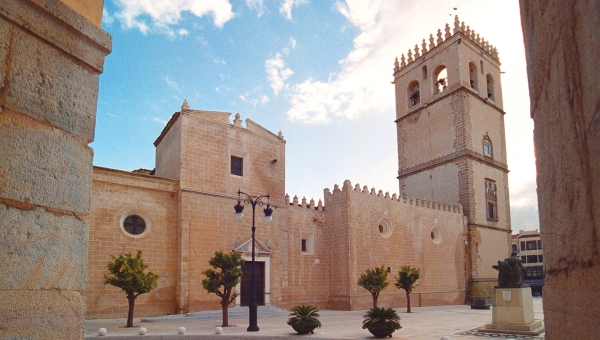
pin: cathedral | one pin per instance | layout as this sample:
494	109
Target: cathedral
451	218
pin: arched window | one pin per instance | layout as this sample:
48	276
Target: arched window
424	71
414	93
491	91
473	77
488	151
440	78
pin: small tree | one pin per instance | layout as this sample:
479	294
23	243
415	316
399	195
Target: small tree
127	273
374	280
408	281
228	276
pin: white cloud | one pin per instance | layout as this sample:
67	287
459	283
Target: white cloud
166	13
172	84
182	31
162	121
287	5
107	19
219	61
263	100
277	73
258	5
243	97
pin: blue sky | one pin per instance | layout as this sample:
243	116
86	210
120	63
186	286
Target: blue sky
319	71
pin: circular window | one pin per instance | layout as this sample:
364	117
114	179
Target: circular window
385	227
436	235
134	224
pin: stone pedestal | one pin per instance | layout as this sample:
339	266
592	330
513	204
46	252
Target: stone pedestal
512	312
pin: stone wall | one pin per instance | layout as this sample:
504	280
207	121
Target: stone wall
48	93
301	277
208	140
405	239
562	65
115	195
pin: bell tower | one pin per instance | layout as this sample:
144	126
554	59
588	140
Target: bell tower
451	141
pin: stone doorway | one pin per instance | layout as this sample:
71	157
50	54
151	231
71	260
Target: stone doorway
246	284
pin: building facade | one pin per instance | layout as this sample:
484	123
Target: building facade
528	245
451	218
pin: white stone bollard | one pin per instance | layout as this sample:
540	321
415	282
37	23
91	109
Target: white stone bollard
218	330
102	331
445	337
181	330
143	330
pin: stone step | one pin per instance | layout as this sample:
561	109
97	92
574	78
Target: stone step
234	313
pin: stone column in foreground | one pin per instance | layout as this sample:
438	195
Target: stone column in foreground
51	56
562	49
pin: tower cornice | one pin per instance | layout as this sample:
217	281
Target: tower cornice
461	88
451	157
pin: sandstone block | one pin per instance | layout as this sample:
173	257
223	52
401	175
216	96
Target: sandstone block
39	250
43	165
41	314
4	44
49	86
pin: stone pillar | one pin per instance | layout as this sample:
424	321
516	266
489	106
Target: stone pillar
561	45
50	60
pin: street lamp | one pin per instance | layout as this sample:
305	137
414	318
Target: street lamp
239	214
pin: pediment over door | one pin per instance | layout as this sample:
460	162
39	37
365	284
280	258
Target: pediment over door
260	248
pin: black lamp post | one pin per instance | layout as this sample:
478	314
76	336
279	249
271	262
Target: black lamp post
239	208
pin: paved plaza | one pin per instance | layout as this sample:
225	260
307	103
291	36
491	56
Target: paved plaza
456	322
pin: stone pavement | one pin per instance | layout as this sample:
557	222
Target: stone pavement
456	322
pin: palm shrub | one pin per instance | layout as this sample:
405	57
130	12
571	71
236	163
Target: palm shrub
304	316
381	318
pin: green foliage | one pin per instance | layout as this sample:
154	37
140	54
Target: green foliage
381	318
127	273
304	316
374	280
407	279
226	273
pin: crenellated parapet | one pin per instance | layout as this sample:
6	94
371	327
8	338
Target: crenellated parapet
401	199
440	38
304	203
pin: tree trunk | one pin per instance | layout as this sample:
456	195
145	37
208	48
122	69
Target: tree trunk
131	299
408	302
225	307
375	297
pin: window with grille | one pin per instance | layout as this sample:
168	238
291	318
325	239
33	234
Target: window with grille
492	199
237	166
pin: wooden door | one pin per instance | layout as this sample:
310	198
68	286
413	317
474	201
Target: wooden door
246	285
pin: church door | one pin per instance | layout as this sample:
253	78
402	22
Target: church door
246	285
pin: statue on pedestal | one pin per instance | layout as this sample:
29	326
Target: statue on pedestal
510	272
